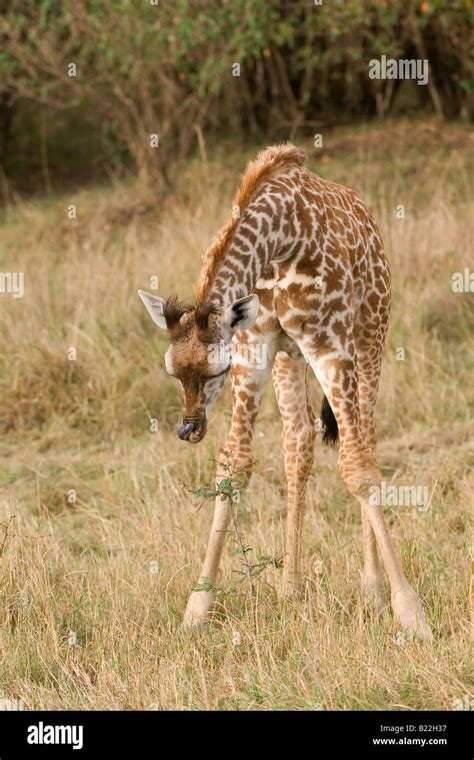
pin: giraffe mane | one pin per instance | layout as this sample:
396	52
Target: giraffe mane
267	161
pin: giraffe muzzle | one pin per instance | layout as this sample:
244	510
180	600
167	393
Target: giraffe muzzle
184	431
194	430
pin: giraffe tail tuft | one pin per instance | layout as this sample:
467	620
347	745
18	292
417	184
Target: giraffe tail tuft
330	429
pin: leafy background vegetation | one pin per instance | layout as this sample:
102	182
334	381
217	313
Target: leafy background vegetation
167	69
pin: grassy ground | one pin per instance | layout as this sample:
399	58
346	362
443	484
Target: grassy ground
92	591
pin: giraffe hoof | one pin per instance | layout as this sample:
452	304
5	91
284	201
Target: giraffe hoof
199	607
409	613
374	597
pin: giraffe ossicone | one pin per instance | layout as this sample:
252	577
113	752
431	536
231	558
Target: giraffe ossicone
300	271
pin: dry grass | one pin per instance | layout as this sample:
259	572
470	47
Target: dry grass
85	567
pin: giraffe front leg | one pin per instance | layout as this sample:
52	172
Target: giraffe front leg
201	601
289	378
236	462
248	385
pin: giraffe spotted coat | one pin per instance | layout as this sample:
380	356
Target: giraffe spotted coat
298	276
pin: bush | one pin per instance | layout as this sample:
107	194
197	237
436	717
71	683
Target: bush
167	69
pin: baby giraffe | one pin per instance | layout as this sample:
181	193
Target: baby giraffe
297	276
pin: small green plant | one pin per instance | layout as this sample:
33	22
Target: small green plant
230	486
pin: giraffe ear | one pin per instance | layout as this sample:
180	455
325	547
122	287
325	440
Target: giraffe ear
241	314
154	306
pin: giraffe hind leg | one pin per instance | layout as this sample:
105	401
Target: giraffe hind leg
368	374
338	377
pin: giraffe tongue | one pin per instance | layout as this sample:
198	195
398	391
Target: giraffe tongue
184	431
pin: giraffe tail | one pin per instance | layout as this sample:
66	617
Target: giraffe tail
330	429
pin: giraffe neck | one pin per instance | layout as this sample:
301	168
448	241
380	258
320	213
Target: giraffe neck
257	239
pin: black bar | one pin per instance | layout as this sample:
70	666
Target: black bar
148	734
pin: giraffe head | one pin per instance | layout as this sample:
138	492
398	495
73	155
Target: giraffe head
200	353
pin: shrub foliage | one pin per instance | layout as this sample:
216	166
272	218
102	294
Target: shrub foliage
169	69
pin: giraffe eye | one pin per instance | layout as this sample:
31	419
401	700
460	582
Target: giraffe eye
224	371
